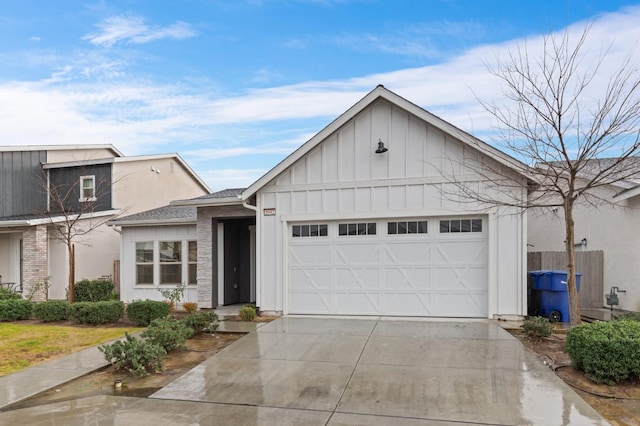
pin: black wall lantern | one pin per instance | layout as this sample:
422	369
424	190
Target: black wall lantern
381	148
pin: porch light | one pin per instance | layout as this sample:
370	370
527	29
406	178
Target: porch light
381	148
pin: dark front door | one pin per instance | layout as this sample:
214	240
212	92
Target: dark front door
237	274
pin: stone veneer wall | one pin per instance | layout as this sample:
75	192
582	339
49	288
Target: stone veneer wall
207	254
35	263
205	248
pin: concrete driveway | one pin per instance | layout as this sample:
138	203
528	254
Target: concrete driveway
330	371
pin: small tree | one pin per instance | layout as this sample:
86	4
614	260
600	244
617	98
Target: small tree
562	119
74	210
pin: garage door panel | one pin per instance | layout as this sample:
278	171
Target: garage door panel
468	305
402	274
357	278
311	279
460	278
417	278
357	303
408	304
358	254
310	302
463	251
408	253
311	254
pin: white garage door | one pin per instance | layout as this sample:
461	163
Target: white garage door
413	267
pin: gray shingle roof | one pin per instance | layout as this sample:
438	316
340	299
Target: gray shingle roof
225	193
165	213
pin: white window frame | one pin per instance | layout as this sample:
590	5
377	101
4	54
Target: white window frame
177	262
91	178
152	263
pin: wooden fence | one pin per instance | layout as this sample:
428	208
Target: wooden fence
116	277
589	263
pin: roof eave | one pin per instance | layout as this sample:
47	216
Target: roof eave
211	202
151	222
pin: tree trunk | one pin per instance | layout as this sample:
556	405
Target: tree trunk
572	288
72	271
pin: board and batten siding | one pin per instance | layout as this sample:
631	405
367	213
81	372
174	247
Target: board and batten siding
22	181
343	178
131	235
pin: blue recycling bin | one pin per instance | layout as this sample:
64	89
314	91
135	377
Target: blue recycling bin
553	293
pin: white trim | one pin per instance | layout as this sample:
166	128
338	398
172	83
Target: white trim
208	202
252	263
56	219
220	243
627	193
78	163
285	267
391	214
378	183
15	148
152	222
91	178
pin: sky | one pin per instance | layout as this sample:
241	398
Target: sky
234	86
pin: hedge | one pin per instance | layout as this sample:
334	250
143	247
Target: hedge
52	310
97	312
607	352
6	294
15	309
92	290
142	312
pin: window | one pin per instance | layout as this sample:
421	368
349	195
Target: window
368	228
460	225
193	262
144	263
170	262
314	230
87	188
408	227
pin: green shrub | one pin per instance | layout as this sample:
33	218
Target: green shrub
134	356
201	321
92	290
537	327
52	310
7	294
607	352
142	312
247	313
97	312
168	333
629	316
15	309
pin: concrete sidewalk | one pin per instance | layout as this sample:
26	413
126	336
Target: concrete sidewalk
48	375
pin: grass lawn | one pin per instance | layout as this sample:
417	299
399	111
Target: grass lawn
24	345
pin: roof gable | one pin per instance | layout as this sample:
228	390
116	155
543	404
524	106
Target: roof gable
372	97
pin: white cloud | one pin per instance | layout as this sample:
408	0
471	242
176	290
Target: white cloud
219	179
95	101
133	29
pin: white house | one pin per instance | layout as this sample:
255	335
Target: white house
360	220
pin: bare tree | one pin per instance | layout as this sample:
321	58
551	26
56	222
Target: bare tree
560	120
75	211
